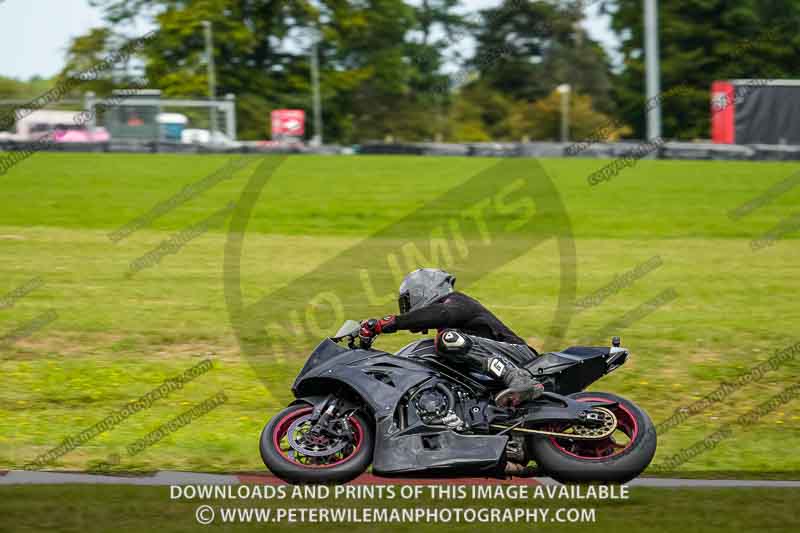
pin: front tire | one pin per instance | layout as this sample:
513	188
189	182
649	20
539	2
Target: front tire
616	459
294	467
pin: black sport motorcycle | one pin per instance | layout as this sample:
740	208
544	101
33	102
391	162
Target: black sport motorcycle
415	414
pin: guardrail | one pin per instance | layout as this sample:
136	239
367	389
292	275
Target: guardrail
667	150
158	147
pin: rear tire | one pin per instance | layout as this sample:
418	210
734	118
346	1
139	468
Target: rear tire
290	467
571	461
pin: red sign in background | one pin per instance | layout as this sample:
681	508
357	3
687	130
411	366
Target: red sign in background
288	123
723	113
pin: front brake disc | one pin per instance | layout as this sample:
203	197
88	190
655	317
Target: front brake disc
305	444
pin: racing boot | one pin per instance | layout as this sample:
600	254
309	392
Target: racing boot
521	386
519	470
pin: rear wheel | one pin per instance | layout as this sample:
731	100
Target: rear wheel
618	458
293	453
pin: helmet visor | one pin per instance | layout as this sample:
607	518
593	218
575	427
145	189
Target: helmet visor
404	302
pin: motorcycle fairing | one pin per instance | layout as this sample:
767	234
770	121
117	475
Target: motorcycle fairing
378	377
382	380
577	367
435	452
424	449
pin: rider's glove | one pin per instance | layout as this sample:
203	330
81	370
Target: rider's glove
374	326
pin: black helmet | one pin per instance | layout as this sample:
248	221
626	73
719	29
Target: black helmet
423	286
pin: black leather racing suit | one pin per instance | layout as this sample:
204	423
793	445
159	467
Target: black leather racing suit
467	315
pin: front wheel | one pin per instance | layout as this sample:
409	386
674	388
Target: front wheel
295	455
617	458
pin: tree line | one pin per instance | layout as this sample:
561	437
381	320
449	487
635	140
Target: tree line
431	70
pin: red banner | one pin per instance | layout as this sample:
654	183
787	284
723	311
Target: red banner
288	123
723	127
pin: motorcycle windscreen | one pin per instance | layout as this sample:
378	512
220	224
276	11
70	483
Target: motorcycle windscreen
325	351
349	329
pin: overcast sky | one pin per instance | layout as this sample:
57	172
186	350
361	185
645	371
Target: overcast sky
34	34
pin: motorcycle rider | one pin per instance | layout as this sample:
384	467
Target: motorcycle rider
428	300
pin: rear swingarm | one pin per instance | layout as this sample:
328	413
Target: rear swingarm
586	420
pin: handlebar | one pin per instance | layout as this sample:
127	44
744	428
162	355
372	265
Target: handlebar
363	342
351	331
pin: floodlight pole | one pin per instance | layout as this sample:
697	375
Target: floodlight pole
652	69
316	101
212	79
564	89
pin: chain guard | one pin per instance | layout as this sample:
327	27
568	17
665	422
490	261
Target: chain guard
581	432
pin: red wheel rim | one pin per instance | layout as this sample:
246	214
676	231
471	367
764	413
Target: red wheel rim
602	449
280	441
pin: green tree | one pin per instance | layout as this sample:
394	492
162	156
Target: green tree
260	51
371	85
437	26
16	89
526	48
541	120
91	49
480	113
702	41
466	122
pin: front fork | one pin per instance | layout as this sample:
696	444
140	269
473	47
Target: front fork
327	421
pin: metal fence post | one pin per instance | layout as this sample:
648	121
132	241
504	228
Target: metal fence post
230	115
88	105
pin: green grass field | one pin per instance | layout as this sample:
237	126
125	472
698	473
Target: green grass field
104	508
118	337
